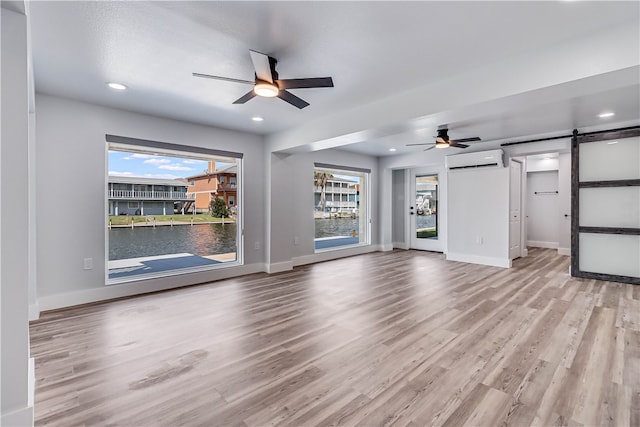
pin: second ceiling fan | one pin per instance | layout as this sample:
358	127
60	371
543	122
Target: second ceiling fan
268	85
443	141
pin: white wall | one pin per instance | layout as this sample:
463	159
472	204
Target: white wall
564	193
71	173
292	201
539	165
478	216
16	392
543	213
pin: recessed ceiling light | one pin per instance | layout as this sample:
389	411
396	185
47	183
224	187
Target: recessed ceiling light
612	142
257	119
117	86
488	158
546	158
603	115
392	149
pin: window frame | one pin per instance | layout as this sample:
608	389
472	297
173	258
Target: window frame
366	183
134	145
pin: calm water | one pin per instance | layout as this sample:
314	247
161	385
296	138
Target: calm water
336	227
199	239
425	221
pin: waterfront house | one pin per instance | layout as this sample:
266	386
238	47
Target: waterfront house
341	195
214	183
148	196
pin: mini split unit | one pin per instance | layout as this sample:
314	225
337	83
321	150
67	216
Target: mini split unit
481	159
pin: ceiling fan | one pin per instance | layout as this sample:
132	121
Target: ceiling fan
267	83
443	141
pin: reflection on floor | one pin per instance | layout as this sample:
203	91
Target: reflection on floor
155	264
331	242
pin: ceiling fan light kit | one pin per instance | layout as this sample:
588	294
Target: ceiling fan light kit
266	90
268	85
443	141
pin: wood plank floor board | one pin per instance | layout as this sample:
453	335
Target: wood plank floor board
388	338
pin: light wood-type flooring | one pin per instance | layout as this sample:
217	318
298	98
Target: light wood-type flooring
396	338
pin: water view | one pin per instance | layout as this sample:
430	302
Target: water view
425	221
199	239
332	227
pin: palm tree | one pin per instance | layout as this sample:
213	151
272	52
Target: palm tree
320	179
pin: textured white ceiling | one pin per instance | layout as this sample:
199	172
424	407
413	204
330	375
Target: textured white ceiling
373	50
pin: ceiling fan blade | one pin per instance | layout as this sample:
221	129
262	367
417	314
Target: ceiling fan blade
419	143
292	99
262	66
244	98
430	148
227	79
455	144
305	83
474	139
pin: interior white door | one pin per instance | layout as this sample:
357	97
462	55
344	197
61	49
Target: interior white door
515	203
425	211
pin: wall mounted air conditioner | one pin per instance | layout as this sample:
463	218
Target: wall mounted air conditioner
482	159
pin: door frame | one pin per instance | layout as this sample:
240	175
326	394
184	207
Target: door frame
439	245
521	207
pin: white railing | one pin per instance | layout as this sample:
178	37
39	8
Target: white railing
151	195
336	190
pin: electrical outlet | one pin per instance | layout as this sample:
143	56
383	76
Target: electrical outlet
479	240
256	246
296	240
88	263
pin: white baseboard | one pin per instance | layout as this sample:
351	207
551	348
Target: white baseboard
32	382
539	244
386	247
18	418
102	293
335	254
564	251
478	259
400	245
34	311
279	267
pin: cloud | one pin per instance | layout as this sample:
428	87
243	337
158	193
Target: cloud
156	161
161	175
138	156
116	173
193	162
175	167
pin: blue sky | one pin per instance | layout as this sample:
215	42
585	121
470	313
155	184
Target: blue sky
151	166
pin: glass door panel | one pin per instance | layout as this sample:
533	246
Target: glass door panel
426	207
424	212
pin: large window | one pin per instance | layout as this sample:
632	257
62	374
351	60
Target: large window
167	212
341	211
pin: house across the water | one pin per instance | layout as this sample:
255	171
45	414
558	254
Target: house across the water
148	196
